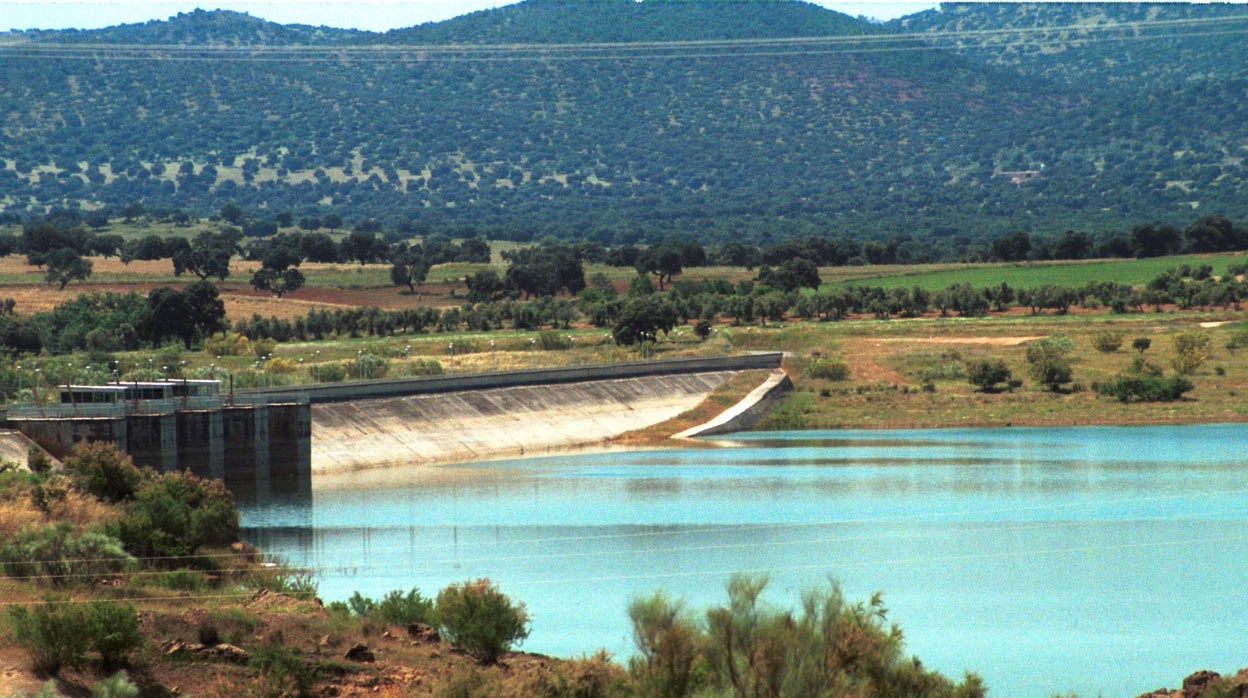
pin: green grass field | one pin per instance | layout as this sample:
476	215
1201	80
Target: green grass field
1023	275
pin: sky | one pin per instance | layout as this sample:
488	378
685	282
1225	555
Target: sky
371	15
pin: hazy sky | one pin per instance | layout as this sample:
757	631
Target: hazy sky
373	15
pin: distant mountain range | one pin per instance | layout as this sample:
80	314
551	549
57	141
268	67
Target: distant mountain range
626	121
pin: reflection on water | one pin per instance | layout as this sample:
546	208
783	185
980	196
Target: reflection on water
1096	560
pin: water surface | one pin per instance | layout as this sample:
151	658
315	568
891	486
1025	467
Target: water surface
1100	560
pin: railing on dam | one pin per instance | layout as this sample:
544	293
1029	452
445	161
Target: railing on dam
339	392
128	408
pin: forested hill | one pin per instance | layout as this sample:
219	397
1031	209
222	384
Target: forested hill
628	121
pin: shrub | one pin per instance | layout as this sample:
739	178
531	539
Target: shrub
1141	344
405	609
481	620
61	555
182	580
104	471
1145	388
114	631
227	344
830	368
282	367
549	340
174	514
1047	361
370	367
987	374
1107	341
261	348
330	373
51	633
1190	351
425	367
116	686
37	460
669	643
284	671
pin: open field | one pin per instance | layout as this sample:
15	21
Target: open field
902	372
1024	274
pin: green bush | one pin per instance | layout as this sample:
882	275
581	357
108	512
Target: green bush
830	368
405	609
114	631
60	555
550	340
1047	361
395	607
425	367
284	671
330	373
1143	387
174	514
116	686
1190	351
182	580
481	620
669	643
1107	341
37	460
104	471
52	634
824	647
987	374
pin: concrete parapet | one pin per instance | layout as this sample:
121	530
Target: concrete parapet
745	413
359	390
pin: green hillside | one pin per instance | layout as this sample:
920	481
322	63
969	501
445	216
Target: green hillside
625	121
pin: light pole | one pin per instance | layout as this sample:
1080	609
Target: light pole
532	352
359	363
452	347
19	381
572	350
493	357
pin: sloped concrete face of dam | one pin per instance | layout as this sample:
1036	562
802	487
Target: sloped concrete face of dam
499	423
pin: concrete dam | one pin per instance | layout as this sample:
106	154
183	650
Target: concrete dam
325	429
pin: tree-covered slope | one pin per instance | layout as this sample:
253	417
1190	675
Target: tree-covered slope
611	118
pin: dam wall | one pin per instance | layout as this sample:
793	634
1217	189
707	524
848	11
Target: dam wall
512	422
248	442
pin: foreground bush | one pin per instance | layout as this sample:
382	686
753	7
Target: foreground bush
58	634
481	620
51	634
395	607
100	469
60	555
829	647
174	514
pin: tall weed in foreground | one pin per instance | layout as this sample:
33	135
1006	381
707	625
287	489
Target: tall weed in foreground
481	620
51	633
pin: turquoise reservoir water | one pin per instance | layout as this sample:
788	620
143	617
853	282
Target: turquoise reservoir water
1104	561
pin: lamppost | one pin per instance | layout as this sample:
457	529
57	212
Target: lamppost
452	347
572	350
359	363
532	352
19	381
493	357
407	358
